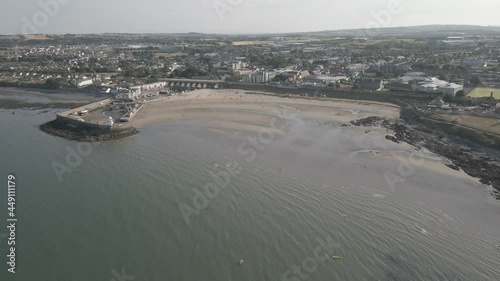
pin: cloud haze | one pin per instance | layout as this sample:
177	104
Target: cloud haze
233	16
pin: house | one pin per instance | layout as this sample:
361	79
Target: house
325	79
475	63
406	87
436	103
256	77
83	83
125	96
434	85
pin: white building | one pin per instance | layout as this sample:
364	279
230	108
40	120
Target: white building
84	83
257	77
125	96
434	85
136	91
475	63
153	86
326	79
357	68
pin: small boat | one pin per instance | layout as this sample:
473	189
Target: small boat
336	257
240	262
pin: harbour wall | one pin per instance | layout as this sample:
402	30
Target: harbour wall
69	119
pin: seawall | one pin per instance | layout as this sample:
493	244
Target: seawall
70	126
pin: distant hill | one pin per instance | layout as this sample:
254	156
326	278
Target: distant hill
414	31
407	31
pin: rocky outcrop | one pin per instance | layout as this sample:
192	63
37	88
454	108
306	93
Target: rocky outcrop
461	156
59	129
392	138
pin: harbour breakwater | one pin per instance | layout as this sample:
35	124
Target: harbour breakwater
70	125
84	133
475	164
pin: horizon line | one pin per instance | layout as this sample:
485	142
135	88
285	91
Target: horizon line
256	34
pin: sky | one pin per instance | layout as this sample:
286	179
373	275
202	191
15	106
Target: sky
235	16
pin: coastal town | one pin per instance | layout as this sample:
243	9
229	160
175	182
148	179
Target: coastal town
108	63
449	73
250	140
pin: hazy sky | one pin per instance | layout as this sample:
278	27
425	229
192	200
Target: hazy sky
235	16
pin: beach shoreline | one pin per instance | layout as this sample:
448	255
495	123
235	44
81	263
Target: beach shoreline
226	112
247	110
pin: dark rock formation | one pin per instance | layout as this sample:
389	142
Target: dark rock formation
58	129
392	138
478	166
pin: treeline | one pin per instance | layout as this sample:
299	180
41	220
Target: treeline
188	72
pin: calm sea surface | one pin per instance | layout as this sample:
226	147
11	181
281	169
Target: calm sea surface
116	215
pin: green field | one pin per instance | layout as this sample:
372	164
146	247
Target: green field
168	55
483	123
484	92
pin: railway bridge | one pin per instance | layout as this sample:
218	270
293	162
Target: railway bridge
191	84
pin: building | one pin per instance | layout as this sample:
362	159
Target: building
153	86
436	103
257	77
127	96
475	63
238	65
83	83
326	79
394	68
451	89
295	75
434	85
136	91
490	79
356	69
387	68
402	87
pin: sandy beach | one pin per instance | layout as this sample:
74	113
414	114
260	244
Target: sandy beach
225	112
232	109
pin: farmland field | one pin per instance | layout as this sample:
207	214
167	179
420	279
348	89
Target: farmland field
168	55
482	123
484	92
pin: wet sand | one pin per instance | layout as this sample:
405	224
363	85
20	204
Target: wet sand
226	112
15	98
233	109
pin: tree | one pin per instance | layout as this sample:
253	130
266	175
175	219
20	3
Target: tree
448	98
460	94
54	83
443	77
280	78
475	80
306	64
